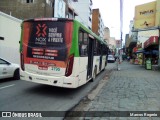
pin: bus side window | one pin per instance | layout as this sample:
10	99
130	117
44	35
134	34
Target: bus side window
83	44
103	49
95	47
80	37
99	47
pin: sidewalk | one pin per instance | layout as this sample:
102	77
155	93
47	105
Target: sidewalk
133	88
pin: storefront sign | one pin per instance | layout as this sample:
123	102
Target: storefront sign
152	40
145	15
147	10
144	23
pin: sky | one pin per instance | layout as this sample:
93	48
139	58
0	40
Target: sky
110	12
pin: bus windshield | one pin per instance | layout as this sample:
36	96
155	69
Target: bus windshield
46	43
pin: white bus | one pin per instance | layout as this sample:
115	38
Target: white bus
60	52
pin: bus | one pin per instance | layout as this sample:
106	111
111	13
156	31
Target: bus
60	52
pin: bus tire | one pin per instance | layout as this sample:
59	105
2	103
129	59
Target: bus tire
16	74
105	63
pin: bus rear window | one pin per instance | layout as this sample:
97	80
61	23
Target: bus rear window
47	39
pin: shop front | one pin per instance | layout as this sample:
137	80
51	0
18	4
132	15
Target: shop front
151	47
138	55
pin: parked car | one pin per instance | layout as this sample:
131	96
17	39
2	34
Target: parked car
111	58
8	69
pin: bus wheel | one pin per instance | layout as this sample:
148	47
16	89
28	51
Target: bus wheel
105	63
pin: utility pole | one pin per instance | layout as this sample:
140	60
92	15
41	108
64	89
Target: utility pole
119	59
121	19
121	25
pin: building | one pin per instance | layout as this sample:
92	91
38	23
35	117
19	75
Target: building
97	23
112	45
25	9
127	41
130	39
10	32
131	27
84	9
106	34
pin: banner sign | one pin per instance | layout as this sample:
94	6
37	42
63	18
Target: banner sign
145	15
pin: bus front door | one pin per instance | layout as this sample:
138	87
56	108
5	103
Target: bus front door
90	58
100	59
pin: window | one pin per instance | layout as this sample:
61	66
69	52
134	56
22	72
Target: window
83	43
2	61
85	38
96	47
91	2
29	1
80	37
99	48
104	50
50	3
75	0
1	38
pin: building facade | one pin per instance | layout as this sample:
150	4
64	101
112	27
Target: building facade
97	23
84	10
26	9
112	45
106	34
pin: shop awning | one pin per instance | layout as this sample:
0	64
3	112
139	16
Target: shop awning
138	50
151	52
153	40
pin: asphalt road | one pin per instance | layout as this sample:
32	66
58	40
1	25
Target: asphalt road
18	95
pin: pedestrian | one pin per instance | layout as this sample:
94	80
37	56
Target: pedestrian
118	62
128	58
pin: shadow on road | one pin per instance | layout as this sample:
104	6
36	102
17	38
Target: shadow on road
6	80
47	90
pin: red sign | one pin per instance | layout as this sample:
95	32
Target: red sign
151	41
135	49
41	30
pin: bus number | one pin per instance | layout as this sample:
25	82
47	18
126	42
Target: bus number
55	68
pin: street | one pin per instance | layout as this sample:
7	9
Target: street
18	95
